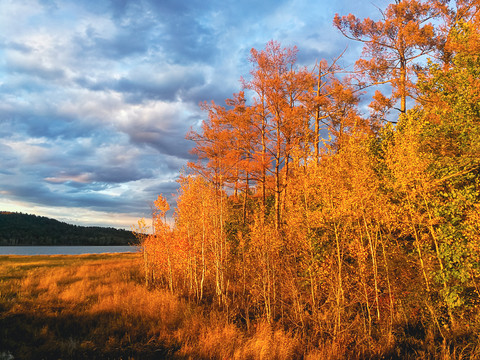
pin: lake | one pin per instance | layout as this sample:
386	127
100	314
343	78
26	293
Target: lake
65	250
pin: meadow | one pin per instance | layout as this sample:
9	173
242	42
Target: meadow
98	307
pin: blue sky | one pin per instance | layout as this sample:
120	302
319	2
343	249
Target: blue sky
96	97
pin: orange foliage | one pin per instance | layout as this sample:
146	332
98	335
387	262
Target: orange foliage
393	45
345	231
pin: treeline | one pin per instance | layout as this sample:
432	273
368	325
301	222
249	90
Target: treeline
24	229
358	233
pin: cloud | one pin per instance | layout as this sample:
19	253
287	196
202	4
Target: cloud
102	37
66	178
96	96
17	62
167	82
158	125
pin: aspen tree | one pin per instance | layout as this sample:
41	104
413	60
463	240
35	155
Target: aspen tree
279	88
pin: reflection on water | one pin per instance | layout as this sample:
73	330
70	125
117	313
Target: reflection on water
65	250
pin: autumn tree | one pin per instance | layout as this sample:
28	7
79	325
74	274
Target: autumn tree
158	245
356	242
199	225
192	222
332	104
216	160
450	136
393	47
454	15
279	88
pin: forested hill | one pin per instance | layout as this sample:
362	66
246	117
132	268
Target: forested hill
24	229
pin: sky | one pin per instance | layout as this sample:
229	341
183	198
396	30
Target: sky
96	97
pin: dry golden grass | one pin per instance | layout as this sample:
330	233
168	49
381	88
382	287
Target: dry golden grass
97	307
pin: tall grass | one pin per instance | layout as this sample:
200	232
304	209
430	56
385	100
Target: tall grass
97	307
76	307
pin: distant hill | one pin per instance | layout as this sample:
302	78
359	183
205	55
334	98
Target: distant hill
24	229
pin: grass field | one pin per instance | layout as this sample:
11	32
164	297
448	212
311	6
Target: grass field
97	307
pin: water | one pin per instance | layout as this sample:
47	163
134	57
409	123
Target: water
65	250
